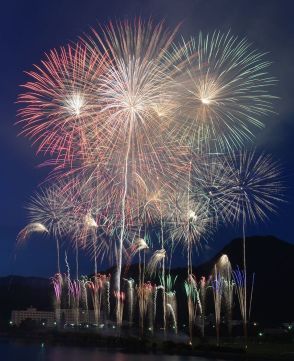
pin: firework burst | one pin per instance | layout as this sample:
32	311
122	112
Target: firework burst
225	91
58	103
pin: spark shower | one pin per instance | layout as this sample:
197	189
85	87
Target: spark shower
145	137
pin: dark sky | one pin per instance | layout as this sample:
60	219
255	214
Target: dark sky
29	28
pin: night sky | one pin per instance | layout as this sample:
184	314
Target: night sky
30	28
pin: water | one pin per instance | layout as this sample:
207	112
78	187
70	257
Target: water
18	351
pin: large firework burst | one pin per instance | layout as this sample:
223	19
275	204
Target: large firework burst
59	103
255	185
224	91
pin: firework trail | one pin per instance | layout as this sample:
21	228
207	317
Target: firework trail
75	292
95	291
84	294
217	283
239	278
225	270
155	260
193	302
99	287
77	259
171	309
145	299
171	300
151	307
155	294
251	295
155	209
188	222
57	282
51	208
130	299
106	297
29	229
92	226
202	296
139	245
256	189
67	278
120	296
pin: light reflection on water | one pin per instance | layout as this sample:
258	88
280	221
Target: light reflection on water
17	351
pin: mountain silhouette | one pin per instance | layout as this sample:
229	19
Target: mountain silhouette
269	258
272	262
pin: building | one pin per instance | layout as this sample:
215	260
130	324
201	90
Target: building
48	318
73	316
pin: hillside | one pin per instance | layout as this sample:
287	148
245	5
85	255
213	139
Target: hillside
271	259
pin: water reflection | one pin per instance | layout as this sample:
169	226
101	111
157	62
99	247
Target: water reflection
18	351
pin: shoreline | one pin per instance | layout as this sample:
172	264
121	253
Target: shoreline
137	345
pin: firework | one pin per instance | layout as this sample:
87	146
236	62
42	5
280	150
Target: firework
155	260
139	245
130	298
170	300
67	279
46	207
135	81
106	296
84	293
240	281
255	190
193	302
134	126
202	296
255	183
26	232
145	293
224	91
57	282
211	177
225	270
120	297
75	292
151	307
189	221
217	283
58	103
97	288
